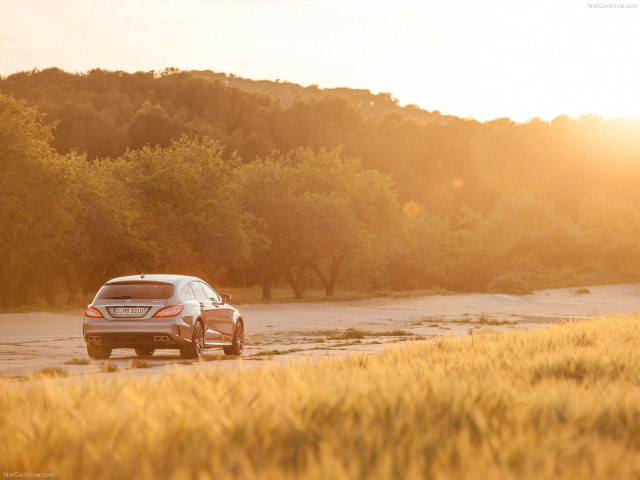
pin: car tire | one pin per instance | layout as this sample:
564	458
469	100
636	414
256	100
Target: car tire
145	351
237	344
98	352
196	347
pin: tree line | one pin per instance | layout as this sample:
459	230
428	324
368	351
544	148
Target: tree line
69	223
440	161
310	217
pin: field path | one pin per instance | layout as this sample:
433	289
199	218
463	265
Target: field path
285	332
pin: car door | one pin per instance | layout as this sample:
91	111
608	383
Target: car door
208	308
223	313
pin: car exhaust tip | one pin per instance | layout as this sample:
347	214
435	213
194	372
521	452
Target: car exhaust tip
160	338
94	339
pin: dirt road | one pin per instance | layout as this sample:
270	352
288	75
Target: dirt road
286	332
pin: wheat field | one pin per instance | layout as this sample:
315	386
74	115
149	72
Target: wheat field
558	402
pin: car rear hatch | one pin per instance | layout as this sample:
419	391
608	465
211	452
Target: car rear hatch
137	300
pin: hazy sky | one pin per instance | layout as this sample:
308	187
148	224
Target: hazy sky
484	59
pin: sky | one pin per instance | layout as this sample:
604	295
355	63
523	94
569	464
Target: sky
480	59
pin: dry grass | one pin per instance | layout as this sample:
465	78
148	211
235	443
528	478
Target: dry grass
484	319
271	353
78	361
137	363
582	291
48	372
355	334
107	367
561	402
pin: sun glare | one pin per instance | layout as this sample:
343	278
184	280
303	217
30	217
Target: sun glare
483	60
411	209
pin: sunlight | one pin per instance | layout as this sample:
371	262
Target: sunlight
411	209
482	60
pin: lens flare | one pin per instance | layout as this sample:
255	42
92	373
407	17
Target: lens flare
411	209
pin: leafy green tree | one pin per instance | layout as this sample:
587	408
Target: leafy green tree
611	228
108	238
426	257
522	240
263	190
34	184
367	227
316	212
151	125
190	214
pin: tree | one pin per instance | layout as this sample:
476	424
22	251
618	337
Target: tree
365	225
315	212
611	228
151	125
34	183
108	238
190	214
427	255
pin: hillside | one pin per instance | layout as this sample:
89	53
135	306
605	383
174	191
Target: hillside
369	103
440	162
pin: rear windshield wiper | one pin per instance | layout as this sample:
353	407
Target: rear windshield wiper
119	297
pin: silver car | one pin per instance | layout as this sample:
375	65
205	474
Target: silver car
148	312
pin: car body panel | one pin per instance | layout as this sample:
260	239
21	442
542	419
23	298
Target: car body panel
219	322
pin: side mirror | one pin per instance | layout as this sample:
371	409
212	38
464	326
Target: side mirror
225	298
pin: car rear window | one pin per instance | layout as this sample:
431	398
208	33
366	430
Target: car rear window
139	290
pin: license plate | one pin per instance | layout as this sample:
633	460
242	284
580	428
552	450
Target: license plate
135	311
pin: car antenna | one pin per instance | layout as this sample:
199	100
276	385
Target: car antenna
142	275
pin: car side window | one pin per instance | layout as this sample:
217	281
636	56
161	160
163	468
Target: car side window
199	291
211	293
187	293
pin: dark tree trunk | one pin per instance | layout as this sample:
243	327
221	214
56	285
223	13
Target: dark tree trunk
50	297
296	281
335	269
266	289
329	281
267	279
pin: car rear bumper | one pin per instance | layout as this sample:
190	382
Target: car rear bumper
131	334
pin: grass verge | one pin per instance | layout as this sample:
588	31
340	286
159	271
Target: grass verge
561	402
78	361
48	372
355	334
137	363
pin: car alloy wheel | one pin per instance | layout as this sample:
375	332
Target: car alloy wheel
237	344
198	339
196	347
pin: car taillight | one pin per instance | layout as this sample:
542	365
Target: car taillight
92	312
171	311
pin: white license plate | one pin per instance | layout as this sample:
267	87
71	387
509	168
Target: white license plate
129	311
